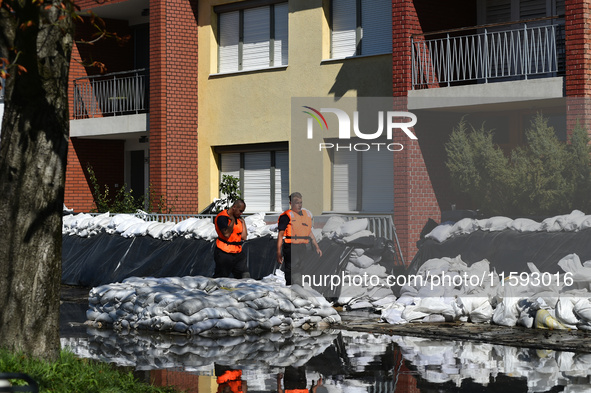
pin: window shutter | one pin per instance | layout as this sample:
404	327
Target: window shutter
531	9
257	179
280	50
498	11
344	26
229	38
376	25
378	190
281	181
257	33
344	181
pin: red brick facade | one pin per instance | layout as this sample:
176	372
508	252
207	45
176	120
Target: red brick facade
414	198
105	156
578	62
173	103
106	159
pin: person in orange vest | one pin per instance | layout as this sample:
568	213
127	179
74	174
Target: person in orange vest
294	238
228	255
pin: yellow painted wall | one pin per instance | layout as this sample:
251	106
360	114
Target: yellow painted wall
255	106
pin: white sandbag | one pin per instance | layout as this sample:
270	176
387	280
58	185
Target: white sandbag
525	225
497	223
440	233
393	315
411	314
362	262
192	305
202	326
229	323
506	313
158	231
571	221
464	226
572	264
432	305
585	223
482	314
564	311
358	235
351	227
582	309
333	226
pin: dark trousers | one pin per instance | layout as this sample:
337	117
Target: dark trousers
230	263
293	257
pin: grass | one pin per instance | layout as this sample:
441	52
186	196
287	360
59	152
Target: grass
71	374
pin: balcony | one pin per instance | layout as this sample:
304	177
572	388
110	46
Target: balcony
114	94
488	53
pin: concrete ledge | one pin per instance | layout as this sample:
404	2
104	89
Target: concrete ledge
109	126
487	93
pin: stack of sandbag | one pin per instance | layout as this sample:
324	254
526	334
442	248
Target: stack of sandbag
364	261
575	221
132	225
441	361
446	289
267	350
205	306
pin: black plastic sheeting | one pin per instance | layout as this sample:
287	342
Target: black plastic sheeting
509	250
104	258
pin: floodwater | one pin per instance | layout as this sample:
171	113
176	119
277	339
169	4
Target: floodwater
328	361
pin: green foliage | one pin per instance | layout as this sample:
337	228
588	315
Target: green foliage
230	189
546	177
71	374
122	202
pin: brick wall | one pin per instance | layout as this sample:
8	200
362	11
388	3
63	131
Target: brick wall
106	159
105	156
181	380
173	103
414	198
578	63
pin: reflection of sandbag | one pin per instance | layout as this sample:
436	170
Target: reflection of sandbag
544	320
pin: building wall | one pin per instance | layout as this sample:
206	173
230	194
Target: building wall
106	156
106	159
414	197
254	107
173	103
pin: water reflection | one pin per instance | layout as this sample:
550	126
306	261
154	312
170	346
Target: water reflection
333	361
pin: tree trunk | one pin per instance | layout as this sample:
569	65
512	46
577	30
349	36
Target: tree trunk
33	152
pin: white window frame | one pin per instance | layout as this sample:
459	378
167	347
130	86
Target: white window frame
270	38
380	32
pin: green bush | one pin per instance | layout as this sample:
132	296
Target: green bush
545	177
230	188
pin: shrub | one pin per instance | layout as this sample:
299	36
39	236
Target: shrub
545	177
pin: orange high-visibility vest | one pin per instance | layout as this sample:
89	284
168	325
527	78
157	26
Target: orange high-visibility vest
232	244
299	227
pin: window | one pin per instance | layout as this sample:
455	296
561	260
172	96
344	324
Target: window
498	11
252	38
355	185
361	27
264	178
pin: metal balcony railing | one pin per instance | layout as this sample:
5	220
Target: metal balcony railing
117	93
489	54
